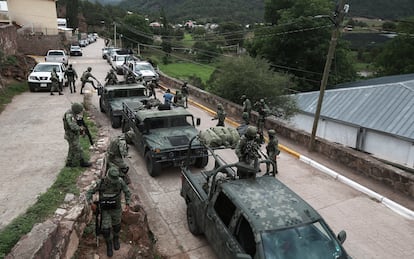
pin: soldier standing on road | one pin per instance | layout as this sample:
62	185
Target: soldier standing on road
55	83
179	100
220	116
72	132
85	79
168	97
117	151
272	150
111	78
152	86
71	75
110	189
263	111
185	92
247	106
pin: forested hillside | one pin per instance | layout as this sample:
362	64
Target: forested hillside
384	9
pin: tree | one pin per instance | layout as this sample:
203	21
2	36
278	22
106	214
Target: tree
233	33
135	29
254	78
298	42
205	52
72	10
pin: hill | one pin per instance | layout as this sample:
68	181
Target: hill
384	9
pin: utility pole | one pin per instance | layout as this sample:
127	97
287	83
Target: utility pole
340	12
114	34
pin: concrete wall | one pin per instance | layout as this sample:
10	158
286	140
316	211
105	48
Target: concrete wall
8	42
38	15
39	44
362	163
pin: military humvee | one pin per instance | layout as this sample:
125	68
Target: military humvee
254	217
162	136
112	97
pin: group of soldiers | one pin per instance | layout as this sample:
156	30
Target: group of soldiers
71	75
180	99
109	187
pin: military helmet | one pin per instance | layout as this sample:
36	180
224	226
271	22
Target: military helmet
220	106
113	173
77	108
262	100
70	65
271	132
245	115
243	96
251	131
112	70
89	69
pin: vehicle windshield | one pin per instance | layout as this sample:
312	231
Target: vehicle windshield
75	47
55	53
168	122
139	67
312	241
46	68
127	93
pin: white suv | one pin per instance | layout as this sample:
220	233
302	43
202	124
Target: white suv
144	69
39	77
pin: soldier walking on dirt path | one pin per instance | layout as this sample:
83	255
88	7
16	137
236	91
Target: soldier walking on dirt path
72	132
109	189
85	79
55	83
71	75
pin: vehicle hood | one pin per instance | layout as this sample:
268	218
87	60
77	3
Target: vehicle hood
146	73
116	103
171	138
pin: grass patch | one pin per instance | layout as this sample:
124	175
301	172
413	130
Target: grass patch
7	94
184	71
46	203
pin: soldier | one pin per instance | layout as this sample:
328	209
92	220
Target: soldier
151	87
130	78
184	90
247	150
72	132
71	75
272	150
179	99
220	115
111	78
85	79
110	188
247	106
55	83
117	150
263	111
168	97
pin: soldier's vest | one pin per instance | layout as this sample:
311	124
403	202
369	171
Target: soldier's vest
110	194
84	76
70	73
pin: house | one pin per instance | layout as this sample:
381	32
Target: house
374	116
39	16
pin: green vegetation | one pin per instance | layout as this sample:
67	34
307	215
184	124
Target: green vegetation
46	203
7	94
184	71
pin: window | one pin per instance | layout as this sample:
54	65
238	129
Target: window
224	208
157	123
245	237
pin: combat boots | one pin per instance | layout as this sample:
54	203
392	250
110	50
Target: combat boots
116	229
107	235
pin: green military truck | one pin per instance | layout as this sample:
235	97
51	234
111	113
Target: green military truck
112	97
254	217
162	136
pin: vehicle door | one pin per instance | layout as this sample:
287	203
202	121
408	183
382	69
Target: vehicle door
220	213
139	130
244	235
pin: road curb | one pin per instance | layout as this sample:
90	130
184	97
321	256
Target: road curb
401	210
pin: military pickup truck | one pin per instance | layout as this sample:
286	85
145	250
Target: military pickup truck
162	137
254	217
112	97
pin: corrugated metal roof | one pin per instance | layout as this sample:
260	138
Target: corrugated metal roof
385	107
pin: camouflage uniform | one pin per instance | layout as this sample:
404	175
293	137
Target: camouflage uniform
184	90
263	111
72	131
273	149
110	189
55	82
247	150
151	87
179	99
220	116
71	75
247	106
111	78
117	150
85	79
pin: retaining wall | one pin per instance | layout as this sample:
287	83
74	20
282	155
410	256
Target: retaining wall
362	163
8	42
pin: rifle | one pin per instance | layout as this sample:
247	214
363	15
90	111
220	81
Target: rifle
81	123
98	222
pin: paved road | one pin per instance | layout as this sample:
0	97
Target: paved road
373	230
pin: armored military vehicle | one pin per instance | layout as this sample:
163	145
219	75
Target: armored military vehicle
112	98
162	136
254	217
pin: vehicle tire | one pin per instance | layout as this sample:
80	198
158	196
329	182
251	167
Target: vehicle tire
101	105
115	121
153	168
32	88
192	221
201	162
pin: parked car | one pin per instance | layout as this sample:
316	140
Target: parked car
105	52
57	55
143	69
39	78
83	43
118	61
75	50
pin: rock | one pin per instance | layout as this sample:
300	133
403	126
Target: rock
69	197
60	211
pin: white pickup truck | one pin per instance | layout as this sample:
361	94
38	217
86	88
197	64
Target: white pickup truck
57	56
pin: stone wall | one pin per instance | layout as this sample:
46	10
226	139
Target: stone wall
39	44
362	163
8	42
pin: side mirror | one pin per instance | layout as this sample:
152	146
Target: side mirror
342	236
198	121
